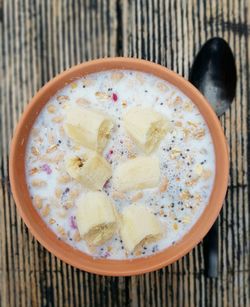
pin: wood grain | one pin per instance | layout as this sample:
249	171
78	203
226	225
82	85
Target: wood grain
39	39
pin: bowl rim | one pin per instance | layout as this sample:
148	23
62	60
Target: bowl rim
64	251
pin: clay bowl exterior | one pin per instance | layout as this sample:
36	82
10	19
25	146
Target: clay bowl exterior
74	257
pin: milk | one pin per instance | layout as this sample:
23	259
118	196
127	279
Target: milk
183	158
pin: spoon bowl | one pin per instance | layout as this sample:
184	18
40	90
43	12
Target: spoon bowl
214	74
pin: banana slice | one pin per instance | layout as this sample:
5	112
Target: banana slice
138	227
90	128
139	173
90	169
95	218
146	126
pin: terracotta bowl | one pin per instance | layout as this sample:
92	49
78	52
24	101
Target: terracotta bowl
74	257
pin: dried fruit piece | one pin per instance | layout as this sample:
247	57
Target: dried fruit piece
62	98
175	152
87	82
45	211
193	124
177	100
58	192
188	106
62	213
185	195
62	131
68	204
118	195
191	183
38	202
38	183
57	119
206	174
52	148
186	219
35	151
198	169
82	101
102	96
64	179
198	134
124	103
175	226
76	236
178	124
162	87
73	85
73	194
52	221
116	76
140	77
33	171
136	197
51	109
61	231
164	185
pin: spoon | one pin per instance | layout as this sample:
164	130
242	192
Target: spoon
214	74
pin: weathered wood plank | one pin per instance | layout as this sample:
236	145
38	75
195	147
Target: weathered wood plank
39	39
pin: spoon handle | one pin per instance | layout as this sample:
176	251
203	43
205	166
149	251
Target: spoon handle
210	245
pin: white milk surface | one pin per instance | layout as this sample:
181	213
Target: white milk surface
186	158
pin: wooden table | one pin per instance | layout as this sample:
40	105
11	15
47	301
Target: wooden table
39	39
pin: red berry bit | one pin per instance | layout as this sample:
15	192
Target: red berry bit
114	97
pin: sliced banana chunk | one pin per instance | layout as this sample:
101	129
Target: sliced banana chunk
146	126
139	173
139	226
90	128
96	218
90	169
